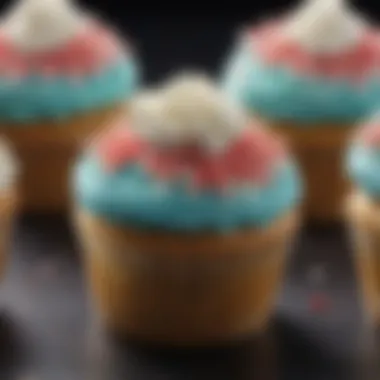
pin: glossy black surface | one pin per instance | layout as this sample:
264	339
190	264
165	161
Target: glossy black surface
47	332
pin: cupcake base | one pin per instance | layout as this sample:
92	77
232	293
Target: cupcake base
364	220
184	289
46	151
319	151
8	207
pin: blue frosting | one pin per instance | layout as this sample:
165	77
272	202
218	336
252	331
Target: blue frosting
363	167
280	94
132	197
38	97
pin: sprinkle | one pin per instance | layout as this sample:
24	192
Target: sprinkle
319	303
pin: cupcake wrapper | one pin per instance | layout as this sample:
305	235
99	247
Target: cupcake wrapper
8	207
363	219
319	150
176	289
46	151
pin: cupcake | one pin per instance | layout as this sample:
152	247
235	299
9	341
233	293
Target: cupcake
63	75
186	211
312	75
363	212
9	172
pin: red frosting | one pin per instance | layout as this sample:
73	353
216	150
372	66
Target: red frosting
251	158
86	53
355	64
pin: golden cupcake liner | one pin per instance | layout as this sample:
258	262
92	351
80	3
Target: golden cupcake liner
184	289
319	152
363	216
8	208
46	151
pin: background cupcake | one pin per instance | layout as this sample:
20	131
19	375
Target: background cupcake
63	75
313	74
186	212
9	174
363	206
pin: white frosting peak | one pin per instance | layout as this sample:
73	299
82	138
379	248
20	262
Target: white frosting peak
37	25
189	109
325	26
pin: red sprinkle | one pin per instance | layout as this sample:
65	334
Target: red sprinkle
319	303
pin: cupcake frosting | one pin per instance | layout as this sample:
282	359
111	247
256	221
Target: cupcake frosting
324	27
9	165
187	159
56	60
40	25
318	64
363	158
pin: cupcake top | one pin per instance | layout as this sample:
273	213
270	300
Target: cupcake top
323	38
9	165
318	63
187	159
363	158
56	60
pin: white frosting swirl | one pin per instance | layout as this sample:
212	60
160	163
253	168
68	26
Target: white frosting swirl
189	109
325	26
38	25
9	165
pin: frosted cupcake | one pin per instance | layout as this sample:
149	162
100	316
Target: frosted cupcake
9	175
186	211
363	206
312	74
63	74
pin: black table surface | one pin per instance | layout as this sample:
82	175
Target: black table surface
47	330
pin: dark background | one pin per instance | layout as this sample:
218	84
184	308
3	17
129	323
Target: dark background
173	35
